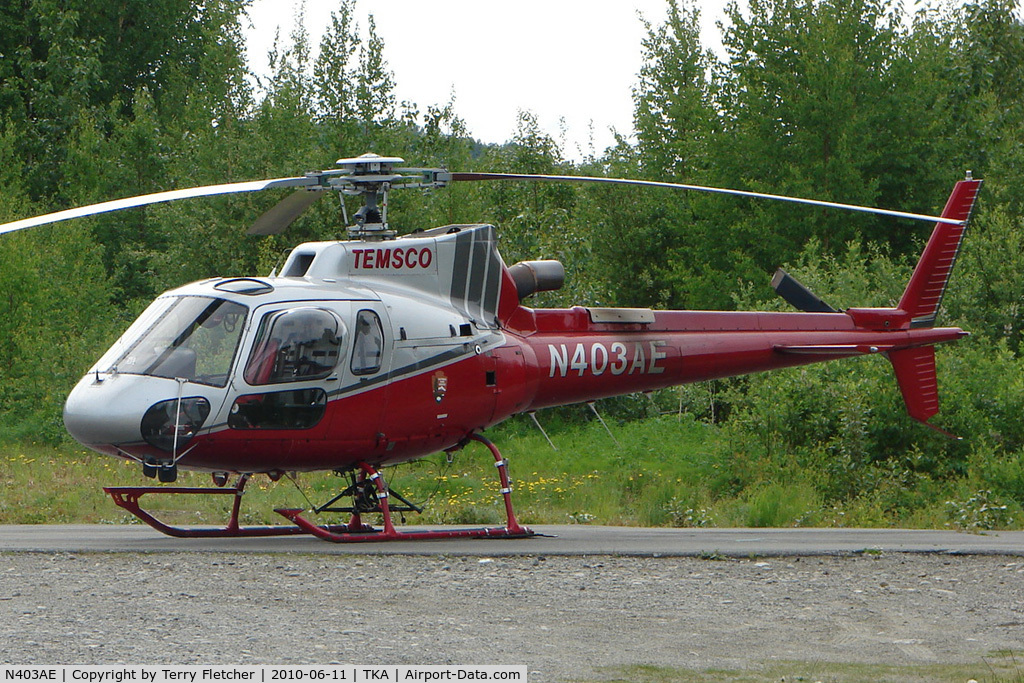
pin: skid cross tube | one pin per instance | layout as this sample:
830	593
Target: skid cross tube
364	500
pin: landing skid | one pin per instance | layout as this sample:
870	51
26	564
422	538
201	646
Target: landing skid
128	497
334	536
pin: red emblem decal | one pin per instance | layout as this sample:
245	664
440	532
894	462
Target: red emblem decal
440	383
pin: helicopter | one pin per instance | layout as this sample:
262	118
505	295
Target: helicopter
383	348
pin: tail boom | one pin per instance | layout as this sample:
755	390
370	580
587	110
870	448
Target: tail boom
583	354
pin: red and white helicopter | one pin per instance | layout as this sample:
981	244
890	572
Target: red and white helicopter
382	349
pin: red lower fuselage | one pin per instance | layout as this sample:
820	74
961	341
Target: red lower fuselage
558	357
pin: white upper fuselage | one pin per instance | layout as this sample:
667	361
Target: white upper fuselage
430	296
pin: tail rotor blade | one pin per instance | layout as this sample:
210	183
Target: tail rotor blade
284	212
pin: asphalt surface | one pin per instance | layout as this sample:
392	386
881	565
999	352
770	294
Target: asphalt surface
570	540
581	603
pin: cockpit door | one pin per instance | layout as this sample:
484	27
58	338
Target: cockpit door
289	362
365	393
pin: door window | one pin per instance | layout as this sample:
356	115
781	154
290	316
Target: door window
295	345
368	346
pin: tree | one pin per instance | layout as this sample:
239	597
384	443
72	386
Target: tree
63	58
808	110
987	105
673	109
375	89
651	246
54	310
334	73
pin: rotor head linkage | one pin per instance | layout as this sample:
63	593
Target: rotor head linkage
372	177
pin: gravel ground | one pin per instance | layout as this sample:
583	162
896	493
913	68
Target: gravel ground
567	618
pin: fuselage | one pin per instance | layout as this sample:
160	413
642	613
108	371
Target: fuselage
385	352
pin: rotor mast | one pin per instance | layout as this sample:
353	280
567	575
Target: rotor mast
372	177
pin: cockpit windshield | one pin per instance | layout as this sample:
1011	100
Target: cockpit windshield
193	338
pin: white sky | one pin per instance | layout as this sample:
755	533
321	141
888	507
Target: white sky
575	60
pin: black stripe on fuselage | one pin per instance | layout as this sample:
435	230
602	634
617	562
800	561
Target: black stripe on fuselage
460	270
465	349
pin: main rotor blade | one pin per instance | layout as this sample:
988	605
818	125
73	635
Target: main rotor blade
284	213
157	198
701	188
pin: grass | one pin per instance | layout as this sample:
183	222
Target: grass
662	471
998	667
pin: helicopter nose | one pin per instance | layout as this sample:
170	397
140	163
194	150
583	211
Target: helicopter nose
105	410
113	410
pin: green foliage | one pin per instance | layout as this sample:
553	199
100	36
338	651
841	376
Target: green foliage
656	247
821	98
986	295
778	505
841	426
54	314
665	471
333	73
674	112
979	513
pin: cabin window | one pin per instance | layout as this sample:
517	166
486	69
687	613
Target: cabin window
299	264
190	337
299	409
368	346
295	345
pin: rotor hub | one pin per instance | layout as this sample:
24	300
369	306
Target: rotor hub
372	177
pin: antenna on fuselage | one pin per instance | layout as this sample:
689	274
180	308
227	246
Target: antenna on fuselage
536	422
600	419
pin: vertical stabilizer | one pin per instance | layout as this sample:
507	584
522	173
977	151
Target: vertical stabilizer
919	384
928	283
915	373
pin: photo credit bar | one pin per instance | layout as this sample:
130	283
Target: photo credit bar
264	673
